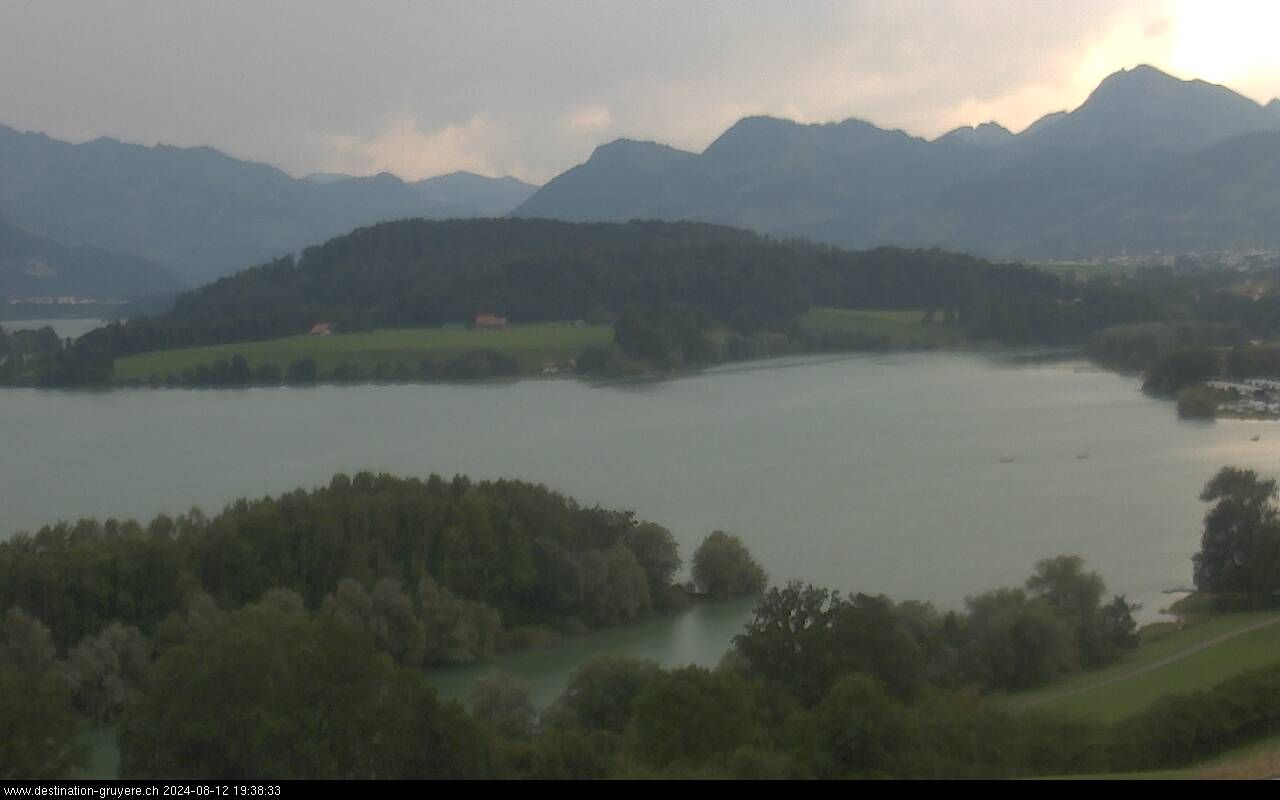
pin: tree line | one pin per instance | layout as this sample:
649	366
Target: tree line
666	285
283	617
490	559
236	371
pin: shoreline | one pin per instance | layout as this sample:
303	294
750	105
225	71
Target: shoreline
1030	354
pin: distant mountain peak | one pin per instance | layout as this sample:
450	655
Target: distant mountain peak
1145	78
1146	84
1145	109
133	198
762	138
327	177
466	176
1132	84
628	149
762	122
631	144
1142	72
987	134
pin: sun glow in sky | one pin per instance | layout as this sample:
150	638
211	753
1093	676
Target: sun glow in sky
530	89
1236	43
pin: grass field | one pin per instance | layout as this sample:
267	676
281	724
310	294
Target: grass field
1112	694
903	328
532	345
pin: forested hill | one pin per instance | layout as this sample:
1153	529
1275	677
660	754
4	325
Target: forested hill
675	293
423	273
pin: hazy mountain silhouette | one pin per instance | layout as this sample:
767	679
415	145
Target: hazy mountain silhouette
1059	188
1147	109
203	213
33	266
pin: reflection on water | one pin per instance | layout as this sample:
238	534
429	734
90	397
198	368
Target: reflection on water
698	636
65	328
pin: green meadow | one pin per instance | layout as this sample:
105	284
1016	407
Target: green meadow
900	328
533	346
1124	689
1162	666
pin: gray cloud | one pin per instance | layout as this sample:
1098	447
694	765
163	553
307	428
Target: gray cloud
530	88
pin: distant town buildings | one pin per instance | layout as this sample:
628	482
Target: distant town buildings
1250	397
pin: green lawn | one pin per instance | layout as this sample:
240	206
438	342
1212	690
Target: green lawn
902	328
532	345
1200	670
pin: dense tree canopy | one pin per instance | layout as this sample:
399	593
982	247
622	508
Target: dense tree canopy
279	647
723	568
803	637
667	285
39	730
436	570
272	693
1240	548
1180	369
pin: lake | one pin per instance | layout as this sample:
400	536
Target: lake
929	476
66	328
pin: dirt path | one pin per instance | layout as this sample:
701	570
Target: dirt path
1155	665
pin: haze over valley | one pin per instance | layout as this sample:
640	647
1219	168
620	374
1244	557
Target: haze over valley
1148	164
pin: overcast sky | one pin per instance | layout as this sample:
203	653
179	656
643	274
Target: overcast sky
530	88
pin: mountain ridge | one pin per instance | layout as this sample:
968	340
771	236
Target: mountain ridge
203	213
1033	194
34	267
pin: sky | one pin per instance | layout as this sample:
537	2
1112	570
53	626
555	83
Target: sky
531	88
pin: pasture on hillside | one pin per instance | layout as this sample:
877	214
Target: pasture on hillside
1170	664
533	346
898	328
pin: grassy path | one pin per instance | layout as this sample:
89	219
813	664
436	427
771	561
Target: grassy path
1195	658
1155	665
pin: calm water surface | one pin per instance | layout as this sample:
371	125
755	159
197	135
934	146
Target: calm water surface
65	328
928	476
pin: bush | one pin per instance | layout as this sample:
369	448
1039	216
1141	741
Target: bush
1180	369
268	374
1181	729
1197	402
724	568
302	370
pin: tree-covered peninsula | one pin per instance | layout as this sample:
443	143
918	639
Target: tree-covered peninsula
306	622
